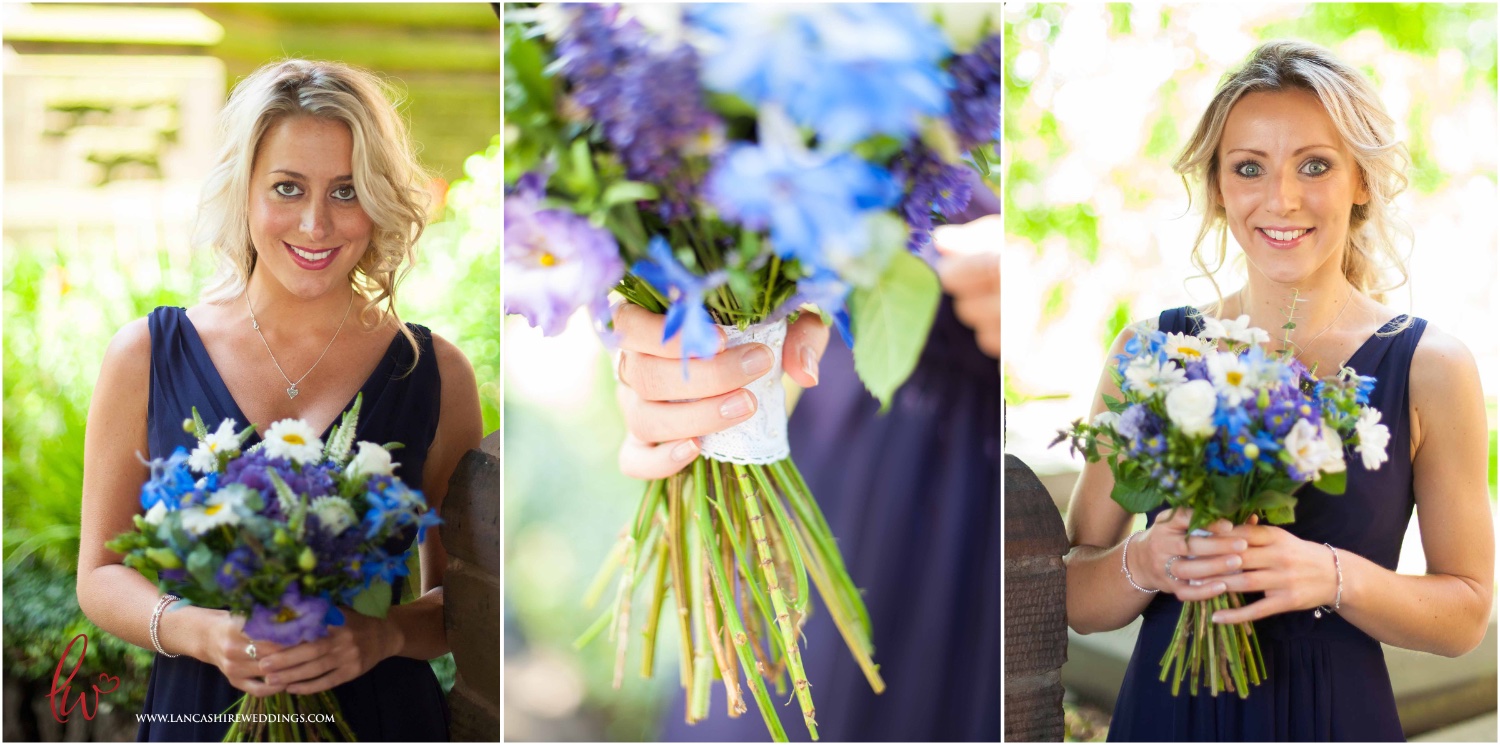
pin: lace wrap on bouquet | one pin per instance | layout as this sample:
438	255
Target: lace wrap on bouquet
761	438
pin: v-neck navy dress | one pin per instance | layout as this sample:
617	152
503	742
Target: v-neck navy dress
1326	679
399	698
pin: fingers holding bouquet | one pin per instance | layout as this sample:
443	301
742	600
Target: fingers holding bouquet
665	409
237	656
348	652
1294	574
1176	561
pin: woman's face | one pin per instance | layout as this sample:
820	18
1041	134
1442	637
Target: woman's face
306	222
1288	182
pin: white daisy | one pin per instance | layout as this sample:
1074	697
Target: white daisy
1373	438
295	440
1230	377
1107	419
371	460
1186	347
1147	376
1236	330
334	513
222	508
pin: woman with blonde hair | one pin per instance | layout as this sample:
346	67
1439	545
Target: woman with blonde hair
1298	160
313	208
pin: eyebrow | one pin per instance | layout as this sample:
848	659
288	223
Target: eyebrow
294	174
1262	154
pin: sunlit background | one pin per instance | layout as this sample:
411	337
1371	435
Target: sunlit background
1099	100
108	132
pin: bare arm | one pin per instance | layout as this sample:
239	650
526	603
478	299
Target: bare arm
1099	596
1446	610
115	597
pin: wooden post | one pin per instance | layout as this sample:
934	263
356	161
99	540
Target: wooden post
471	534
1036	620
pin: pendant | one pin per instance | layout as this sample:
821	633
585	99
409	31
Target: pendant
292	391
1318	613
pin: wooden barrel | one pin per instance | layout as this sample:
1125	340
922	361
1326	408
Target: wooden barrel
1036	613
471	592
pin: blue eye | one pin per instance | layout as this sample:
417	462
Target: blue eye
1249	169
288	189
1315	168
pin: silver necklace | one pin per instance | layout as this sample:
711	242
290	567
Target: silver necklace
291	386
1347	302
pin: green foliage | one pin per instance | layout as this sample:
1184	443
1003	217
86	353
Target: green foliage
1118	320
890	324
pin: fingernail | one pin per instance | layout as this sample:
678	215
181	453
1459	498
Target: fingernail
1221	587
1233	562
737	406
684	450
809	363
1218	618
1240	545
1195	582
756	360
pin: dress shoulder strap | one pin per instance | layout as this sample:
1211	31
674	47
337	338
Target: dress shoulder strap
1184	320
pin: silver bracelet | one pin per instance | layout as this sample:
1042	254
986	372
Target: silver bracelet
1338	595
1125	568
161	605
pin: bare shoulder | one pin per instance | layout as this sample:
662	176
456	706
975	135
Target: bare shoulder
1441	366
128	356
453	365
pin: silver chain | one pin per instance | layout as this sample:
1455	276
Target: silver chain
1347	302
291	390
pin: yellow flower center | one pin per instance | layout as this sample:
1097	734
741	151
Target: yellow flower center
213	509
1234	377
287	614
294	439
1189	352
547	259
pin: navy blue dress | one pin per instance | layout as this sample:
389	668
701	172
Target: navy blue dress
1326	679
398	699
913	497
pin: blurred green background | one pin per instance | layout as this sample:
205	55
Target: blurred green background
1100	98
101	183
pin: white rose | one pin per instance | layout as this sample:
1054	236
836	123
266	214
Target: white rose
1191	405
1373	438
1107	419
1314	448
371	460
156	514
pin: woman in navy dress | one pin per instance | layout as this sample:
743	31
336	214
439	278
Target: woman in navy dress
313	208
1298	161
912	496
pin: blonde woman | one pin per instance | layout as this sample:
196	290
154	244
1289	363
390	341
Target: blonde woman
313	208
1297	160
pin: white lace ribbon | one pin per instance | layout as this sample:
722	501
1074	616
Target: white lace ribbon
762	437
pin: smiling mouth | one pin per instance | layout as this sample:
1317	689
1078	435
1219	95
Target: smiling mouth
1283	238
309	258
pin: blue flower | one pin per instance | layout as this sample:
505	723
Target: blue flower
975	97
685	290
388	499
170	479
426	520
815	209
847	71
827	292
932	186
387	567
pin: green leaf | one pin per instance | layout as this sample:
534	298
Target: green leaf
374	601
1114	404
200	430
1332	483
890	324
1135	498
1276	506
342	438
980	160
1280	515
201	564
624	192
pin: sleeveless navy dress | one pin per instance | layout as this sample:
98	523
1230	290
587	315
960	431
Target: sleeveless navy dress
913	499
398	699
1326	679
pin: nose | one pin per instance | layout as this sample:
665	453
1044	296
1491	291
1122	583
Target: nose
1285	194
316	221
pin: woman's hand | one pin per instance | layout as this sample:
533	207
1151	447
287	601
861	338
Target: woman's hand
226	648
1293	573
1168	540
660	419
348	652
969	270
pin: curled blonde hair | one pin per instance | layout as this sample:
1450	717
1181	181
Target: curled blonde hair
387	177
1359	117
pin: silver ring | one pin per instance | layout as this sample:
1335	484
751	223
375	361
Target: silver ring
250	650
1170	575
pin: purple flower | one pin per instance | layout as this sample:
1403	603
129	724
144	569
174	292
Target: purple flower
253	470
685	290
237	567
299	619
333	551
556	263
975	97
932	186
1137	421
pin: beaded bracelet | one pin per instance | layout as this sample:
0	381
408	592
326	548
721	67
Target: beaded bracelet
161	605
1124	555
1338	594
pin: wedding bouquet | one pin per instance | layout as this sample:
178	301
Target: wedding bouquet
282	534
1213	424
733	166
